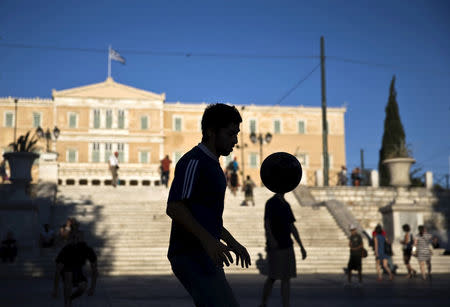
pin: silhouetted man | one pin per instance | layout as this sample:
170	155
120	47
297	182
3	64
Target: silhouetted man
69	266
196	203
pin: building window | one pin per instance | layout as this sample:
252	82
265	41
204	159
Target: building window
72	155
96	119
73	120
177	156
144	122
252	125
277	126
108	151
9	119
144	157
177	124
121	119
253	160
109	119
96	152
301	127
36	119
121	151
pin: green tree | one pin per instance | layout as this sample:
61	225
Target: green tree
393	135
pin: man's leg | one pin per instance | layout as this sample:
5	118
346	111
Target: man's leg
205	283
82	286
67	281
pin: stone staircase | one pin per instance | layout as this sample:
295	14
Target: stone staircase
130	231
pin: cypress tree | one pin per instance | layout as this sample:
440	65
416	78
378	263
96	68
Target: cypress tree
393	135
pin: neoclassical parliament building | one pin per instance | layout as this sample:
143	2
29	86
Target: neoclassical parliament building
98	119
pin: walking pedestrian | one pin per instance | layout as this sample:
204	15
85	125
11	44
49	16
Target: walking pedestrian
407	244
114	168
380	253
165	170
195	205
342	176
422	243
248	187
279	225
356	249
3	173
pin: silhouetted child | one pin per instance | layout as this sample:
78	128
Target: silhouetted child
279	224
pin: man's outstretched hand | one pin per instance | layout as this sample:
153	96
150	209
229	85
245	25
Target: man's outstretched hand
218	252
241	254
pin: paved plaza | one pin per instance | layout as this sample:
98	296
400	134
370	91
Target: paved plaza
306	290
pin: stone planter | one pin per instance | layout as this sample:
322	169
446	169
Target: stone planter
20	164
399	170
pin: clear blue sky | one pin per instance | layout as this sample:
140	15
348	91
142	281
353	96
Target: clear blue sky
411	38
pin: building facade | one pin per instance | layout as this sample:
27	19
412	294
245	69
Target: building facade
99	119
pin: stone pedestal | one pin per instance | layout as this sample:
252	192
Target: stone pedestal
402	210
48	167
374	179
319	178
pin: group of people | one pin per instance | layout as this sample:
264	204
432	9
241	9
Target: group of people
356	177
418	246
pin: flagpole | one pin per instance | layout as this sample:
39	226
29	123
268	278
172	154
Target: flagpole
109	61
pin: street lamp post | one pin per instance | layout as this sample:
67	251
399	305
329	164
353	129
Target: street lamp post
15	118
48	135
260	139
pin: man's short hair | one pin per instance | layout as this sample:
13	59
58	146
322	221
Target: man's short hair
218	116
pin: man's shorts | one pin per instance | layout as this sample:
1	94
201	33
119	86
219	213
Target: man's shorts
77	276
205	282
354	263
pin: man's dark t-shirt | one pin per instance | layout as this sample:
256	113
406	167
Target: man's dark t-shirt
200	183
74	255
355	241
279	214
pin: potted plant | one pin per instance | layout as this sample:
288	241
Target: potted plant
399	162
21	158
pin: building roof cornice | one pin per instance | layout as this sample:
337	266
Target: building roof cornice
108	89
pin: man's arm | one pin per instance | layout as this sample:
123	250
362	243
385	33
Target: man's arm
218	252
237	248
294	231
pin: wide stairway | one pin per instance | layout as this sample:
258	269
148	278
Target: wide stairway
129	230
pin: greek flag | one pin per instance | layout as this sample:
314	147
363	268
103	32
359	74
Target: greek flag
114	55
